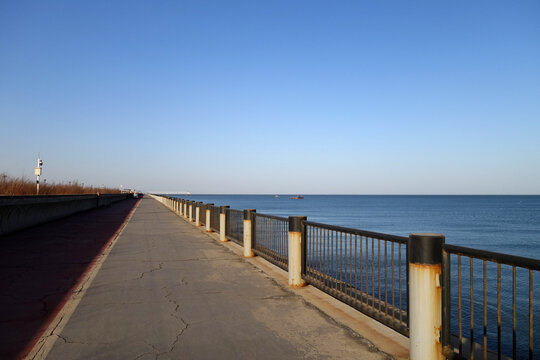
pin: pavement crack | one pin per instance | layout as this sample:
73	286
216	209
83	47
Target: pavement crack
144	354
68	341
277	297
175	314
179	334
160	266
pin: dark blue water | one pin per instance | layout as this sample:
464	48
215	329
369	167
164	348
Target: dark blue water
508	224
505	224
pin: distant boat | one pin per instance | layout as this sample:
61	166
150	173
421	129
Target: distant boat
188	193
276	195
297	197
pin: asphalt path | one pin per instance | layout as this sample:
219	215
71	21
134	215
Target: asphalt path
169	291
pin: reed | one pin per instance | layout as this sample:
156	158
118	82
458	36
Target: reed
10	185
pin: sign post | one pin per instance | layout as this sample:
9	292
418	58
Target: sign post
37	172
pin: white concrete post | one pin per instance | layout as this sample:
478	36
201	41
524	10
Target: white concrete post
181	207
197	214
190	217
208	216
185	209
223	222
248	231
296	253
425	296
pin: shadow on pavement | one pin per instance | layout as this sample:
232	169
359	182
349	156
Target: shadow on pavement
40	266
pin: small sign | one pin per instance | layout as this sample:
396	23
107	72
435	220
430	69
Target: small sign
37	171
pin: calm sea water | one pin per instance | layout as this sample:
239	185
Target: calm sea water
506	224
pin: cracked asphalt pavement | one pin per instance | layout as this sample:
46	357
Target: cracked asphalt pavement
169	291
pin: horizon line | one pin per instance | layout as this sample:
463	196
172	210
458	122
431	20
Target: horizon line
338	194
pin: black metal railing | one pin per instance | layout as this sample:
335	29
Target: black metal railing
271	239
202	214
487	297
488	304
364	269
235	225
214	218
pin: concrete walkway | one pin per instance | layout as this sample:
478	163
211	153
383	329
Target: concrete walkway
168	291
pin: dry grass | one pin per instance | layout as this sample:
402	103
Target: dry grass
10	185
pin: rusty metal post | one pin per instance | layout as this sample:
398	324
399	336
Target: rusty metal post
296	260
208	217
190	217
425	296
248	232
197	214
223	222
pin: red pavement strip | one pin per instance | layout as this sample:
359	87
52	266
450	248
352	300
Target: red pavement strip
42	266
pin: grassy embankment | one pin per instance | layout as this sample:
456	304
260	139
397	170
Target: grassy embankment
10	185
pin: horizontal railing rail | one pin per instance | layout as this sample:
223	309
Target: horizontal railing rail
487	315
271	239
364	269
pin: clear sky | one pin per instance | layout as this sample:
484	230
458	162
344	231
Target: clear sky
380	97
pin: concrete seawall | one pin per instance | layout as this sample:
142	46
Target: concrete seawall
21	212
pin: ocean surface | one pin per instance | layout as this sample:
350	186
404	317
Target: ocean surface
508	224
505	224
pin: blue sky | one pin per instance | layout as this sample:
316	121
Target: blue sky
382	97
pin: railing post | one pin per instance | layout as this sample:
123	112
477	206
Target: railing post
296	253
185	211
208	216
425	298
190	211
197	213
248	232
180	206
223	222
446	301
